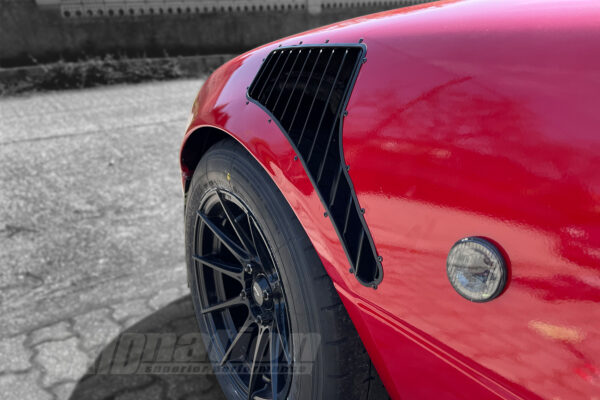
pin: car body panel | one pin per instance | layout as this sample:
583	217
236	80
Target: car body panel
469	118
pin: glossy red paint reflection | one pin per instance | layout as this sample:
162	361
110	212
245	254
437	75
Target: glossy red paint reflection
470	118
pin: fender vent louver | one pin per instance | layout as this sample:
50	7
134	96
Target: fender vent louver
305	89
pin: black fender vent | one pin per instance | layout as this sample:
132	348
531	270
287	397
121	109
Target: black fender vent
305	90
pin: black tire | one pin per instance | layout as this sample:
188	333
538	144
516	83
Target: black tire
341	368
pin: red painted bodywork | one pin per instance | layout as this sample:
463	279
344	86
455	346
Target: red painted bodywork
470	118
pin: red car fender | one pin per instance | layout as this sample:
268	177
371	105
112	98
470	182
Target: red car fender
222	105
460	108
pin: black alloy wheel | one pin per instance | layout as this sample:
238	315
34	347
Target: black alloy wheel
242	296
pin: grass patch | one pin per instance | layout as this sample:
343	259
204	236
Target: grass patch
91	72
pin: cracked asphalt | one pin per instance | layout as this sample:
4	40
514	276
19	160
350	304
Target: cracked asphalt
91	239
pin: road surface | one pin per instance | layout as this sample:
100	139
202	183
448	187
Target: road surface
91	238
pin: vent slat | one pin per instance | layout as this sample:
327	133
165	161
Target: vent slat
265	85
308	55
306	88
347	218
315	97
261	75
289	74
360	247
335	186
275	83
324	112
327	146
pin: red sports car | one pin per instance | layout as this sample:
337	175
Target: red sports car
411	197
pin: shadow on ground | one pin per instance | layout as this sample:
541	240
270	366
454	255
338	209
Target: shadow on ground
153	360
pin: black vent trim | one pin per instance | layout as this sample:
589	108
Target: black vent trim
305	90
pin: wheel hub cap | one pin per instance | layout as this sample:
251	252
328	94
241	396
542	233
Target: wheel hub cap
260	290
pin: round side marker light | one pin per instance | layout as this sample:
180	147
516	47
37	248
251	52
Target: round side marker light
476	269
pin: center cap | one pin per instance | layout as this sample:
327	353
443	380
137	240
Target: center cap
260	290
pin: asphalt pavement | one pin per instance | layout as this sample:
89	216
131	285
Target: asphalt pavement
91	241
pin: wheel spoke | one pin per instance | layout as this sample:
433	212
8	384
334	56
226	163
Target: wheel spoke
225	304
230	270
252	238
239	230
236	339
260	254
274	345
280	326
237	251
262	341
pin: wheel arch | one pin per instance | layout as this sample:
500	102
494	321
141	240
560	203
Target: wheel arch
271	150
195	146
